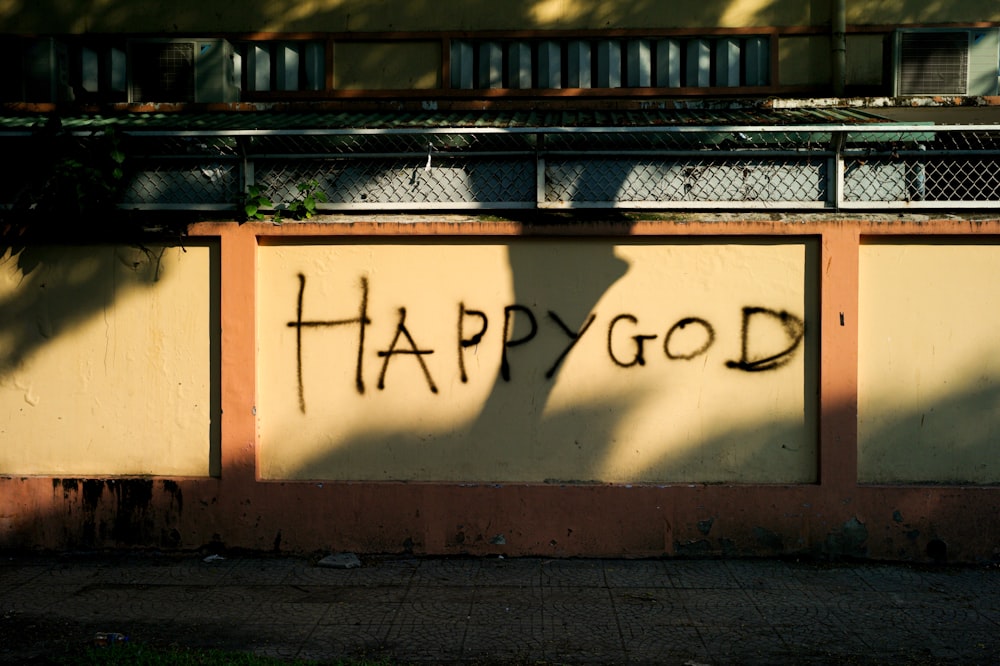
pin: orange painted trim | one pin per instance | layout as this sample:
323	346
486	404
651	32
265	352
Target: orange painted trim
839	286
239	379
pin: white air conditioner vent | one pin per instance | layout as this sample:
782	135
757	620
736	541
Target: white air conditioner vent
947	62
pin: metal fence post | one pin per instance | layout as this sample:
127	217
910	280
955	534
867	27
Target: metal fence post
539	170
836	195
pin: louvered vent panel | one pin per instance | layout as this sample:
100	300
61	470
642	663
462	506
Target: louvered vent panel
163	71
933	63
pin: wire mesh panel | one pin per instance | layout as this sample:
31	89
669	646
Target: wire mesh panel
182	183
932	167
676	181
417	182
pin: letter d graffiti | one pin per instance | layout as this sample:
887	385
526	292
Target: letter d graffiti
756	361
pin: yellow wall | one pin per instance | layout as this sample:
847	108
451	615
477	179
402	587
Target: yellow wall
106	362
865	56
929	362
388	15
891	12
804	60
663	420
50	16
372	65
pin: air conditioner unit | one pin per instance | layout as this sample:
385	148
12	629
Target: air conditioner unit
182	70
947	62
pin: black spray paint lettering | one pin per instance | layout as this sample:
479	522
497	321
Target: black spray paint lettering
465	343
638	358
574	338
682	325
361	320
676	347
794	328
412	351
507	342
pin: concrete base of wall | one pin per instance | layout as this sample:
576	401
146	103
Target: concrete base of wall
905	524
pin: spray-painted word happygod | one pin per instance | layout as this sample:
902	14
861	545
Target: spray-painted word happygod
473	325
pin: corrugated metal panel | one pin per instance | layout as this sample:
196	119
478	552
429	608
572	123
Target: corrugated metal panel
668	63
244	121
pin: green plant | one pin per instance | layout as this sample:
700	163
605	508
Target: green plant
86	178
253	202
305	206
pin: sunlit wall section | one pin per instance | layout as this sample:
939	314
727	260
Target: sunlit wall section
538	360
107	361
929	363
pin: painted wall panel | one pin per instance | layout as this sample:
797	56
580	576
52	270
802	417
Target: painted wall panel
383	15
929	363
375	65
804	60
107	361
78	16
646	361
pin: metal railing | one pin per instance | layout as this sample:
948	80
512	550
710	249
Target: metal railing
814	167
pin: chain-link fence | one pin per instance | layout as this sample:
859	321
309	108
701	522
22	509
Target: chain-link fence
790	167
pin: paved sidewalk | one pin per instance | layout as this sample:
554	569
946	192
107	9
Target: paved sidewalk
495	610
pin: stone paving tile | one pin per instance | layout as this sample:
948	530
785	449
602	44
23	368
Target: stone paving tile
766	575
585	637
374	614
721	608
263	637
68	573
819	640
883	578
436	593
269	571
389	573
12	573
664	644
520	572
572	573
636	573
653	607
518	640
826	576
790	607
523	611
118	605
335	641
741	644
447	571
36	598
488	614
295	614
426	641
437	612
701	574
325	594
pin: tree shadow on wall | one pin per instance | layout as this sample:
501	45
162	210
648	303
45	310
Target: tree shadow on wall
285	16
49	290
556	295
